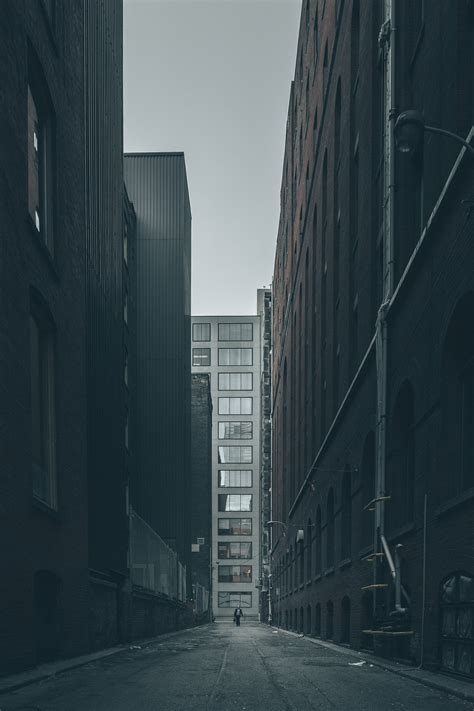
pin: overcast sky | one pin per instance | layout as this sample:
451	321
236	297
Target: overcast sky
212	78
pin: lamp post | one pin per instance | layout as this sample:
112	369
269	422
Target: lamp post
409	128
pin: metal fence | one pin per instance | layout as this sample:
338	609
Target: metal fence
154	565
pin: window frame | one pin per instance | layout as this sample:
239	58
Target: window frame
238	530
45	468
201	325
233	324
230	412
220	479
220	357
227	497
200	365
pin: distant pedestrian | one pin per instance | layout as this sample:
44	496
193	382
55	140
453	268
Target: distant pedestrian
237	615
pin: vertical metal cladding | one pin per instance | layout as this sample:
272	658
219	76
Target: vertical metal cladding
157	186
104	205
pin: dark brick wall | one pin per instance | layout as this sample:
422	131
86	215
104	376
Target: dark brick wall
328	269
32	537
201	473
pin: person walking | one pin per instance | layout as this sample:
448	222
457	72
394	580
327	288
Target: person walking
237	615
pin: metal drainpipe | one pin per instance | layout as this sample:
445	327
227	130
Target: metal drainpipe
389	37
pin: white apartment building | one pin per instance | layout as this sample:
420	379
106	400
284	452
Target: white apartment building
229	348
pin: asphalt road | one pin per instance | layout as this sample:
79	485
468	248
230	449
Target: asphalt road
224	668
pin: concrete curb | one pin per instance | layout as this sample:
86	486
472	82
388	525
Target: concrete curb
421	676
46	671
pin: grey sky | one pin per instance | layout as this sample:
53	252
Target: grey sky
212	78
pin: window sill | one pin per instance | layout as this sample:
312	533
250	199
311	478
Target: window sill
329	571
317	578
38	240
301	587
345	563
455	501
308	583
46	509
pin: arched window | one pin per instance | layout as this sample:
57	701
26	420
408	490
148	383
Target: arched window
317	620
401	460
346	515
43	402
368	489
291	580
330	530
329	620
457	624
318	542
345	620
301	562
456	455
325	69
367	620
309	550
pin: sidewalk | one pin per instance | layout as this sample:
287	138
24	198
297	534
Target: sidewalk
442	682
32	676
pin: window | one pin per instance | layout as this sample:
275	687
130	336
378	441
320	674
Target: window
125	368
235	502
201	331
318	542
234	550
40	157
330	530
234	527
457	624
235	477
325	70
235	406
235	455
126	430
368	489
235	356
43	422
456	453
235	573
401	460
125	306
235	599
201	357
235	381
125	243
235	332
346	515
235	430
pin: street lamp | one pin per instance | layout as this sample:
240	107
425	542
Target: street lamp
409	128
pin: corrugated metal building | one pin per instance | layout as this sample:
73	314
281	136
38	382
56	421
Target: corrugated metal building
157	185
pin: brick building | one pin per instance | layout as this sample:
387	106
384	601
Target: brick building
201	481
372	363
43	437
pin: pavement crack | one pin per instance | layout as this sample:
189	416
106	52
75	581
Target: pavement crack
213	695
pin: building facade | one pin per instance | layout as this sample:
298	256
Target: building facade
159	491
228	349
107	328
201	489
373	280
264	311
43	325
